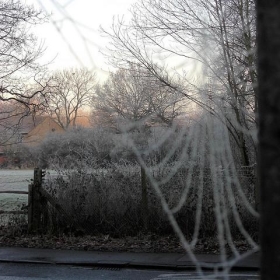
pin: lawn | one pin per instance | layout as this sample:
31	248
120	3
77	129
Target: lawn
13	180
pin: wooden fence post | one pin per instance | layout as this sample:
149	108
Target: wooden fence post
30	207
34	202
144	198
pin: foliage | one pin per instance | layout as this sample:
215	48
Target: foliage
82	148
77	148
108	201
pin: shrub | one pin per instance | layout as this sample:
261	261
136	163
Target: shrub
108	201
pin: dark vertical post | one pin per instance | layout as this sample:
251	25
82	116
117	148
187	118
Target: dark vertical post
44	212
36	201
30	206
144	198
268	39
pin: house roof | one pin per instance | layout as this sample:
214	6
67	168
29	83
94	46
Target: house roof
41	130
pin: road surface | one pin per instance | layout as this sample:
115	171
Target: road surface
17	271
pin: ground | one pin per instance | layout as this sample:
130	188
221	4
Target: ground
16	235
141	243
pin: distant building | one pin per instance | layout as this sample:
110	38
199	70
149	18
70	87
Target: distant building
27	131
36	135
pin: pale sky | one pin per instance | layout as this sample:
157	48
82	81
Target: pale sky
63	32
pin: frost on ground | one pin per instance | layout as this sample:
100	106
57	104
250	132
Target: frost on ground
11	202
13	180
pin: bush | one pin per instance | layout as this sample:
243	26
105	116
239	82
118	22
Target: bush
77	148
99	184
108	201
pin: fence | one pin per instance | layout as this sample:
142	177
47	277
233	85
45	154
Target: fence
36	208
111	198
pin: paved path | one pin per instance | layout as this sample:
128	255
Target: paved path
123	259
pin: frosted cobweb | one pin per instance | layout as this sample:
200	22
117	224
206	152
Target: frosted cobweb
216	186
217	176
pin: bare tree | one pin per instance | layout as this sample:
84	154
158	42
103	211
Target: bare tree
68	92
134	97
19	51
131	101
219	35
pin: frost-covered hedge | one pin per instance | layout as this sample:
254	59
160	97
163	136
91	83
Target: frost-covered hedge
109	201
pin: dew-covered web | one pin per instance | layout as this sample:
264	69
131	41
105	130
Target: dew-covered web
202	170
206	156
